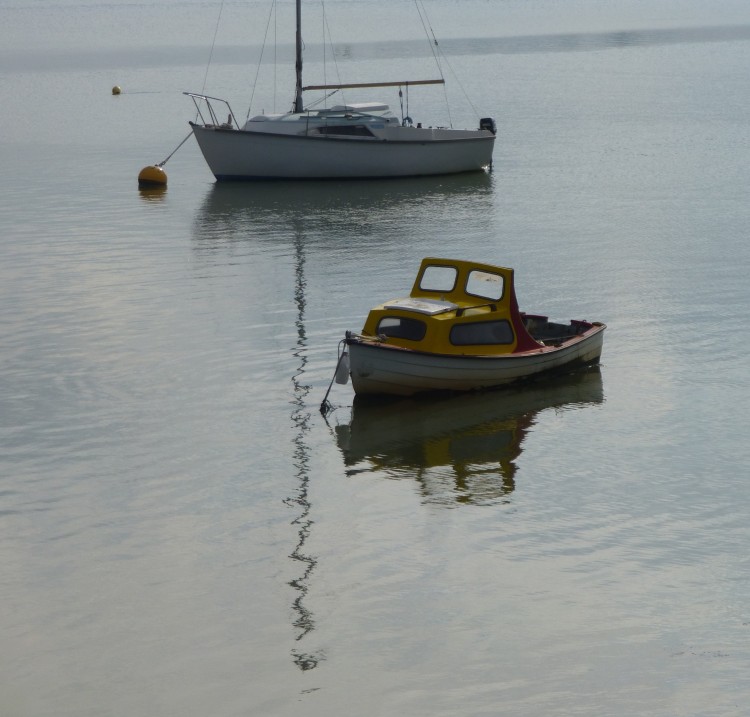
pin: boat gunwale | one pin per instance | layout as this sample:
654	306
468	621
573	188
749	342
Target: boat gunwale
357	139
374	343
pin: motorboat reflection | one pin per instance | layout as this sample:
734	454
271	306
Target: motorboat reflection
460	448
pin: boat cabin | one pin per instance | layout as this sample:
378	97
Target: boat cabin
455	307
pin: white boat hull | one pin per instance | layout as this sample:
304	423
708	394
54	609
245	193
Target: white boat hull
377	368
235	155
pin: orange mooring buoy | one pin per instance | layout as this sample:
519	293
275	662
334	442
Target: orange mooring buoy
152	176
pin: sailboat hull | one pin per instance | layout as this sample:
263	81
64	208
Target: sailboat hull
237	155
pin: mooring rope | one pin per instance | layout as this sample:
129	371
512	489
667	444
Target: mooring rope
161	164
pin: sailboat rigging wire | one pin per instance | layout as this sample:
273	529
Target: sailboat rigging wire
275	55
271	14
325	67
327	30
437	54
213	45
322	99
405	119
422	12
460	84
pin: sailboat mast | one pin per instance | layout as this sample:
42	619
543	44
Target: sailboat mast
298	65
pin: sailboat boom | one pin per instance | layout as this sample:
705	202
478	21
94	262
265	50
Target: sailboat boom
355	85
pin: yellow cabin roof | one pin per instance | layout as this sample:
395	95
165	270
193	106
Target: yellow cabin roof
455	307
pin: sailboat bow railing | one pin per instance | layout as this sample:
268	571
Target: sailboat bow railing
203	104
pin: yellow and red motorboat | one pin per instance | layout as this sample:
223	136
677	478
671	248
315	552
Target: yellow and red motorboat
460	329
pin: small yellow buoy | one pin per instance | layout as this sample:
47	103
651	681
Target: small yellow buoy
116	90
152	176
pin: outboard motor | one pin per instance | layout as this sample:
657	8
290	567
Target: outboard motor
489	124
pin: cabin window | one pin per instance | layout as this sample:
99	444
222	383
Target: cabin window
399	327
439	278
482	332
356	130
485	285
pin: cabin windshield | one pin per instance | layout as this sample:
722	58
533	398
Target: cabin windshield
439	278
444	279
400	327
485	285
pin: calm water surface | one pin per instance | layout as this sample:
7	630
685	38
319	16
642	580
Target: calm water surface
182	532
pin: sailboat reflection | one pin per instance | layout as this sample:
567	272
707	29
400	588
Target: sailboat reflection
461	449
230	213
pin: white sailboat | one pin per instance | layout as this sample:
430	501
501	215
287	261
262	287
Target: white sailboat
363	140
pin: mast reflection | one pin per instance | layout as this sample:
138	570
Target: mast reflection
304	621
460	449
